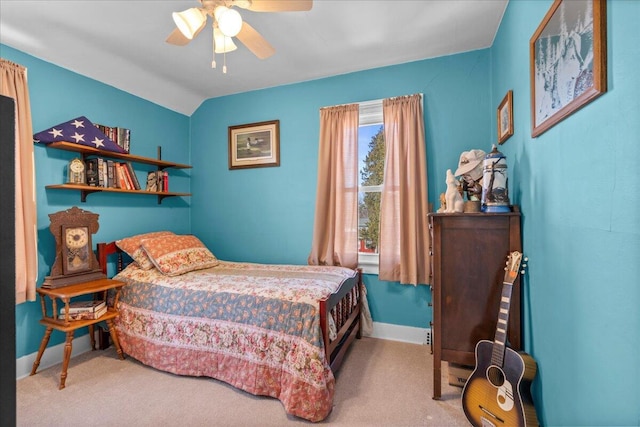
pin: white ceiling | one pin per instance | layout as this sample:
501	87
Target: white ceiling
121	43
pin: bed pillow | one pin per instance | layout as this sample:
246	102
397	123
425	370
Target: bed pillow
133	247
179	254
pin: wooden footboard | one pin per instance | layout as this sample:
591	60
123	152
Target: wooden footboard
343	306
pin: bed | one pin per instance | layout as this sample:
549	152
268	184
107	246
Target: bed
271	330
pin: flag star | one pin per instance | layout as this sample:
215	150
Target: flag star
78	123
97	142
78	137
56	132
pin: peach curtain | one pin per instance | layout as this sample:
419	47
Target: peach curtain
13	83
335	229
404	233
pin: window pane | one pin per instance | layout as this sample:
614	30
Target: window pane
368	221
371	154
371	168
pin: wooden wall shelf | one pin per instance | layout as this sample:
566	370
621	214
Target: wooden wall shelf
86	151
85	190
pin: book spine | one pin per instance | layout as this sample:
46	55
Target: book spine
165	181
101	175
121	181
105	172
127	177
127	139
160	181
110	177
134	178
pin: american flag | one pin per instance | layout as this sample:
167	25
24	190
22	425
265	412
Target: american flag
79	131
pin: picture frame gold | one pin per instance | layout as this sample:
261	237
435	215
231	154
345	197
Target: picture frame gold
568	61
254	145
505	118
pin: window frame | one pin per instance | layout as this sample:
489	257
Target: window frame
369	113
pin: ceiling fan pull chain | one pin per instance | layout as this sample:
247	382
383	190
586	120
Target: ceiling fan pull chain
213	44
224	55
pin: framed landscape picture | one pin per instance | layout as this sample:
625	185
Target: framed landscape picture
568	60
254	145
505	118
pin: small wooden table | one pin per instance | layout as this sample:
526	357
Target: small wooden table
65	294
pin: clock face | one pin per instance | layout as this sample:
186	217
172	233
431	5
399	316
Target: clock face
76	237
76	249
76	166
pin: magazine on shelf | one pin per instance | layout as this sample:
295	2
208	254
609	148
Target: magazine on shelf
84	306
84	315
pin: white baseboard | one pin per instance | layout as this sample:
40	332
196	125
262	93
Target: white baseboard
51	356
410	334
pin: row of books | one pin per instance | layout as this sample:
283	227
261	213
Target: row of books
84	310
121	136
111	174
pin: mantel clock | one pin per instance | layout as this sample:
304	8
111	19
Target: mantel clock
76	172
75	260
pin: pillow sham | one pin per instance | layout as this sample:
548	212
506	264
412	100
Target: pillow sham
178	255
133	247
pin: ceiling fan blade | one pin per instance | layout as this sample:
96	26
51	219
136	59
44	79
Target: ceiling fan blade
177	38
255	42
280	5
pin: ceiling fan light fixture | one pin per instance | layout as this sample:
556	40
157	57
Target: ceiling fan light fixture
229	21
222	43
189	21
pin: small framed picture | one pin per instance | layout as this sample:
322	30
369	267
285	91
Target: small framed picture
254	145
505	118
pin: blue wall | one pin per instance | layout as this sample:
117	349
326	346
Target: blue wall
581	213
266	214
581	216
58	95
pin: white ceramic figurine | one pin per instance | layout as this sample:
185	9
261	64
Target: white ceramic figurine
453	198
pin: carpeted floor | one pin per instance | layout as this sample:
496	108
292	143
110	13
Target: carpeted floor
381	383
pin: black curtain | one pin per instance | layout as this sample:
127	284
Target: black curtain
7	262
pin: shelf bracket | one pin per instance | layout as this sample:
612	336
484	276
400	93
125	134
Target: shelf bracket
85	193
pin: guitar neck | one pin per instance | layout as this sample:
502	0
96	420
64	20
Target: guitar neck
500	338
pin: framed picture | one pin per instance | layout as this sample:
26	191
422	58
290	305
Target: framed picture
505	118
254	145
568	59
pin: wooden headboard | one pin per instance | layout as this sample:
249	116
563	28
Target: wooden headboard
106	249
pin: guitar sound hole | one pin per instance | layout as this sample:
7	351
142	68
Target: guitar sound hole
495	376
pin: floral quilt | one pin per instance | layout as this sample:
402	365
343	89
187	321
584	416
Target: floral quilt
254	326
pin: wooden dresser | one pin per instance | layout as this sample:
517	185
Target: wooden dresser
468	256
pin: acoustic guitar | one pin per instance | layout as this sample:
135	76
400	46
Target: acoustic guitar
498	391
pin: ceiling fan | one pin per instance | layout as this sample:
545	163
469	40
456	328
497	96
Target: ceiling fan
227	23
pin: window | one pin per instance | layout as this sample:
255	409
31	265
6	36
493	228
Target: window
403	231
371	153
